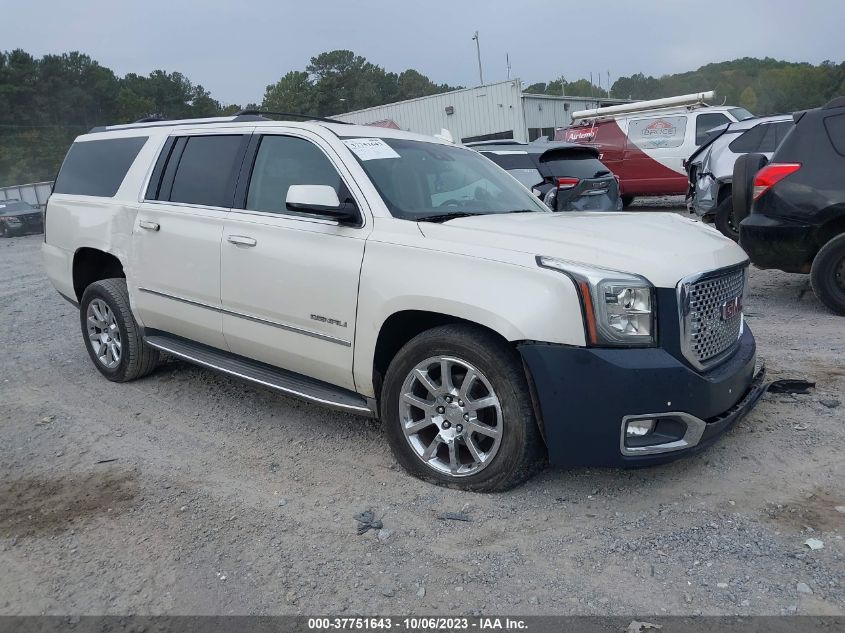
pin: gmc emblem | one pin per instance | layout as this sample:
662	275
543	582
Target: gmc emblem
731	308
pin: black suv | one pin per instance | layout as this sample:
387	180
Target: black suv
566	176
797	219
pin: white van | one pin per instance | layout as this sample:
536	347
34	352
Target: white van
646	143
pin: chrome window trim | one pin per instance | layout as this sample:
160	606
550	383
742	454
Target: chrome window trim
249	317
682	290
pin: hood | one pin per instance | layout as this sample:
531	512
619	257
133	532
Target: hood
661	247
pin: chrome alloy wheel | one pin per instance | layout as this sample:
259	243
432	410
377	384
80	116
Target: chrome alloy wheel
103	333
451	416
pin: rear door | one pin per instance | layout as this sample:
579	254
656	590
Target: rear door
175	255
289	284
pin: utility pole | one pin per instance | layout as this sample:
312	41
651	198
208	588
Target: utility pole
608	84
478	50
508	62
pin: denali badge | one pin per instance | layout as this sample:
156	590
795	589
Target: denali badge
731	308
323	319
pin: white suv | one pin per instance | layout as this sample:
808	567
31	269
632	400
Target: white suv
396	275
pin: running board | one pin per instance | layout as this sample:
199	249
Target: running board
287	382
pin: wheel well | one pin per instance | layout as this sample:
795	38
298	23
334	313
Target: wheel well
90	265
830	230
724	191
400	328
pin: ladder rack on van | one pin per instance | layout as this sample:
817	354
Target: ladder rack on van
693	100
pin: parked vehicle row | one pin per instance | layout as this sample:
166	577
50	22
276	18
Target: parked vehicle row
390	274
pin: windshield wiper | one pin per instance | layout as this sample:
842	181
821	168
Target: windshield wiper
445	217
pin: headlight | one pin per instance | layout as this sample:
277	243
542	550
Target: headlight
618	307
12	220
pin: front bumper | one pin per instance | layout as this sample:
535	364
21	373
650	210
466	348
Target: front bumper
585	395
777	243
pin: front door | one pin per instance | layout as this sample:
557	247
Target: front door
175	260
289	280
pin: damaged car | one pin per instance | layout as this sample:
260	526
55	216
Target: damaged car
565	176
710	169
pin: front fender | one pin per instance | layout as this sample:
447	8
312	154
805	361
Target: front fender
519	302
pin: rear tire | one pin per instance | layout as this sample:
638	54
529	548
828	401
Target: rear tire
627	201
745	168
480	436
827	274
112	336
724	219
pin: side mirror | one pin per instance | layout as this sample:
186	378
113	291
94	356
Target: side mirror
320	200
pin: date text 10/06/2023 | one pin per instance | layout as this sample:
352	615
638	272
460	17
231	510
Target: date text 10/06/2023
416	624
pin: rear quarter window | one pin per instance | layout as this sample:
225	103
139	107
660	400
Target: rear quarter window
835	127
97	168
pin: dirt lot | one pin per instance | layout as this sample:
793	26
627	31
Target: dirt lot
187	492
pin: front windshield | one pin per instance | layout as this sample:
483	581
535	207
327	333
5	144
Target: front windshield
420	180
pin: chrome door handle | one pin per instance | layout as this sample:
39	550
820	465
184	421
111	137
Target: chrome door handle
241	240
150	226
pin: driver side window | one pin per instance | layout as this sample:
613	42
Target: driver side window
283	161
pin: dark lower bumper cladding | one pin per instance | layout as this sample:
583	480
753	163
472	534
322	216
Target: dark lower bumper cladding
583	395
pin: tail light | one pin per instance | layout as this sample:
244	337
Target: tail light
772	174
567	183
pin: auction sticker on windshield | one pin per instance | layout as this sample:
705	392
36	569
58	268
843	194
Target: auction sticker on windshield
370	148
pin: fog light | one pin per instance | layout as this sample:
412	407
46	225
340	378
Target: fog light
639	428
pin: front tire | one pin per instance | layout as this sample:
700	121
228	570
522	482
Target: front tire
827	274
457	410
112	336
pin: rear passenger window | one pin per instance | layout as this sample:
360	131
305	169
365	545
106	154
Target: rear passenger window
835	126
97	168
749	141
206	170
705	123
283	161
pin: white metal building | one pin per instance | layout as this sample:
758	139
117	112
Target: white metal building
490	112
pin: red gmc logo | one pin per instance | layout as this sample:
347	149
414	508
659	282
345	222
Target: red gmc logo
731	308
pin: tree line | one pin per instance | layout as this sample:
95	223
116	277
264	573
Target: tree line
763	86
45	102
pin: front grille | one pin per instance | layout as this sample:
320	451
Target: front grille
711	315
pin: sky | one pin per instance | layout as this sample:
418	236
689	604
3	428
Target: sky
235	50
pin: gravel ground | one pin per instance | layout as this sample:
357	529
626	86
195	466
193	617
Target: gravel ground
192	493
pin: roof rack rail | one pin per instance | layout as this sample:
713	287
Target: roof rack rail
290	115
149	119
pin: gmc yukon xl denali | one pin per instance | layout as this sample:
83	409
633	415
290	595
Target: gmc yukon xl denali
395	275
